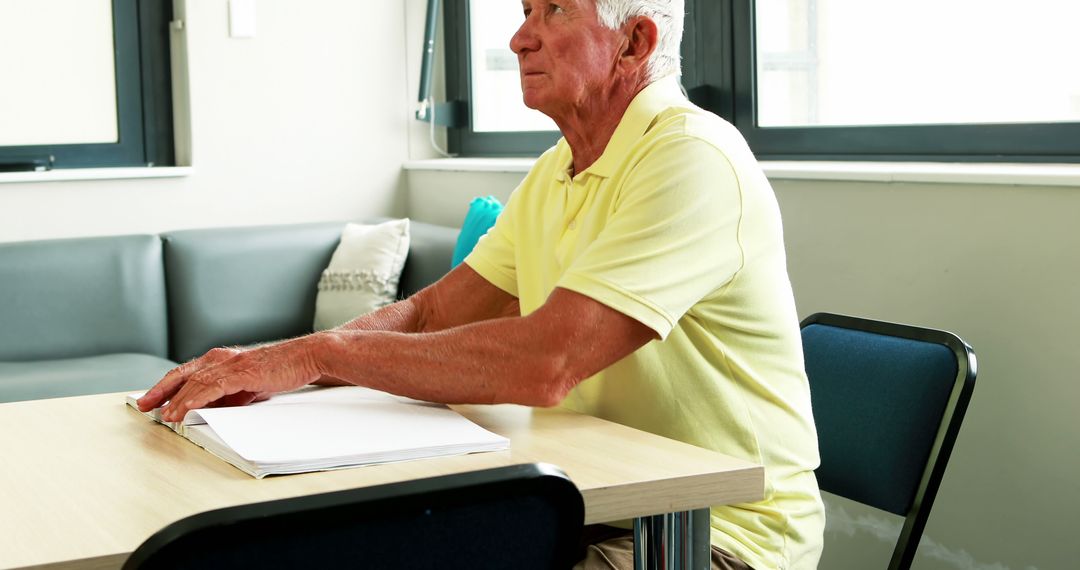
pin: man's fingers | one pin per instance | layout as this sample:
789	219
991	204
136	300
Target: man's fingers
197	392
164	390
266	370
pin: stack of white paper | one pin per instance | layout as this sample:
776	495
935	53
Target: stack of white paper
317	429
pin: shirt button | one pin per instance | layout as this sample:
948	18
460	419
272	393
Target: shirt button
573	224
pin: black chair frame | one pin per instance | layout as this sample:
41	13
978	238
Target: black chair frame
269	524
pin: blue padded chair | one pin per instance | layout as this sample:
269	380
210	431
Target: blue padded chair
888	401
521	516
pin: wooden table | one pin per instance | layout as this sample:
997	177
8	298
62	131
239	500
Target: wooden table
85	480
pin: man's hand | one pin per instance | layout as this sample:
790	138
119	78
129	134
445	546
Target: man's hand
232	377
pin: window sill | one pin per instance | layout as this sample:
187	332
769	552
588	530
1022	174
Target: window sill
928	172
62	174
478	164
919	172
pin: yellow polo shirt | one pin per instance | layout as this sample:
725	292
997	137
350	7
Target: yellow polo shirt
676	226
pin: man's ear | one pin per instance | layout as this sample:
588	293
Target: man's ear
641	38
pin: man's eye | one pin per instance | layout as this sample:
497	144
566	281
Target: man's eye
556	9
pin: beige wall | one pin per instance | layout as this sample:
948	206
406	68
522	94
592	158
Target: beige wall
310	120
999	265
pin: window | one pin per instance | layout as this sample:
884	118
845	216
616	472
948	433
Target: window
87	84
481	72
826	79
914	80
495	89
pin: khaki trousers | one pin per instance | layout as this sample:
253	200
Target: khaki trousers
609	548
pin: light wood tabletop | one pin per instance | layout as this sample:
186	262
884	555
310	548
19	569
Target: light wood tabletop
85	480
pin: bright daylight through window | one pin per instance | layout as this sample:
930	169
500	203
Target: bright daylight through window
880	80
496	87
860	62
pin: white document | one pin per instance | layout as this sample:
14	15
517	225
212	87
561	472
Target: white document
317	428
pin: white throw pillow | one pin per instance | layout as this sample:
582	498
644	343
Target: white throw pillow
363	273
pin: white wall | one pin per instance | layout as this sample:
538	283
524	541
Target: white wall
998	265
310	120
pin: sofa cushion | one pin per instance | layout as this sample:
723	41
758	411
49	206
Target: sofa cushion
80	297
363	274
237	286
80	376
232	286
431	249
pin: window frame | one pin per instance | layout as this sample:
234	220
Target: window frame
1016	142
462	139
143	98
719	70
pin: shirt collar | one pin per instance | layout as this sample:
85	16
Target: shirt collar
659	95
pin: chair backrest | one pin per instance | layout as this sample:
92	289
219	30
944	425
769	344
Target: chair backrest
521	516
888	401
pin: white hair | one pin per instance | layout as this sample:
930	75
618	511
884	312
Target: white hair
668	16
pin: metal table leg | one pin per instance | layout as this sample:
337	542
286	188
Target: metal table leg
673	541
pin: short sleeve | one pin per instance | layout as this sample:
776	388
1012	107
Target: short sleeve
672	239
493	257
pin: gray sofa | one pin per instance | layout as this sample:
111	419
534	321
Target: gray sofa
107	314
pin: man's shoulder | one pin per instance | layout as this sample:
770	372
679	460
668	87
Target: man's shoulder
693	123
695	131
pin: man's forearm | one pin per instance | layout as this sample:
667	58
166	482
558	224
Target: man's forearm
534	360
399	317
494	361
460	298
402	317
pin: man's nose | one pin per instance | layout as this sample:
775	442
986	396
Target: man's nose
524	39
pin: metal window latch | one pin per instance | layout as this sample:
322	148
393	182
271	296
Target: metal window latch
28	164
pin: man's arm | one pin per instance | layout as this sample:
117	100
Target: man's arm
460	297
534	360
423	312
432	348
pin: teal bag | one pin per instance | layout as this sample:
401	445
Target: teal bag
481	216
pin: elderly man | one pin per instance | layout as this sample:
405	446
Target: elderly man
637	274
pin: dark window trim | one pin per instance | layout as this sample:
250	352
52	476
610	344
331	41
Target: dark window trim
707	37
1021	142
155	19
718	73
143	97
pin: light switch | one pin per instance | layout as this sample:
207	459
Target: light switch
241	18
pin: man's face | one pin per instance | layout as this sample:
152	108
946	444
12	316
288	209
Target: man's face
565	54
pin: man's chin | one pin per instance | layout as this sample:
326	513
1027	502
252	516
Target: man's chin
531	102
533	99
